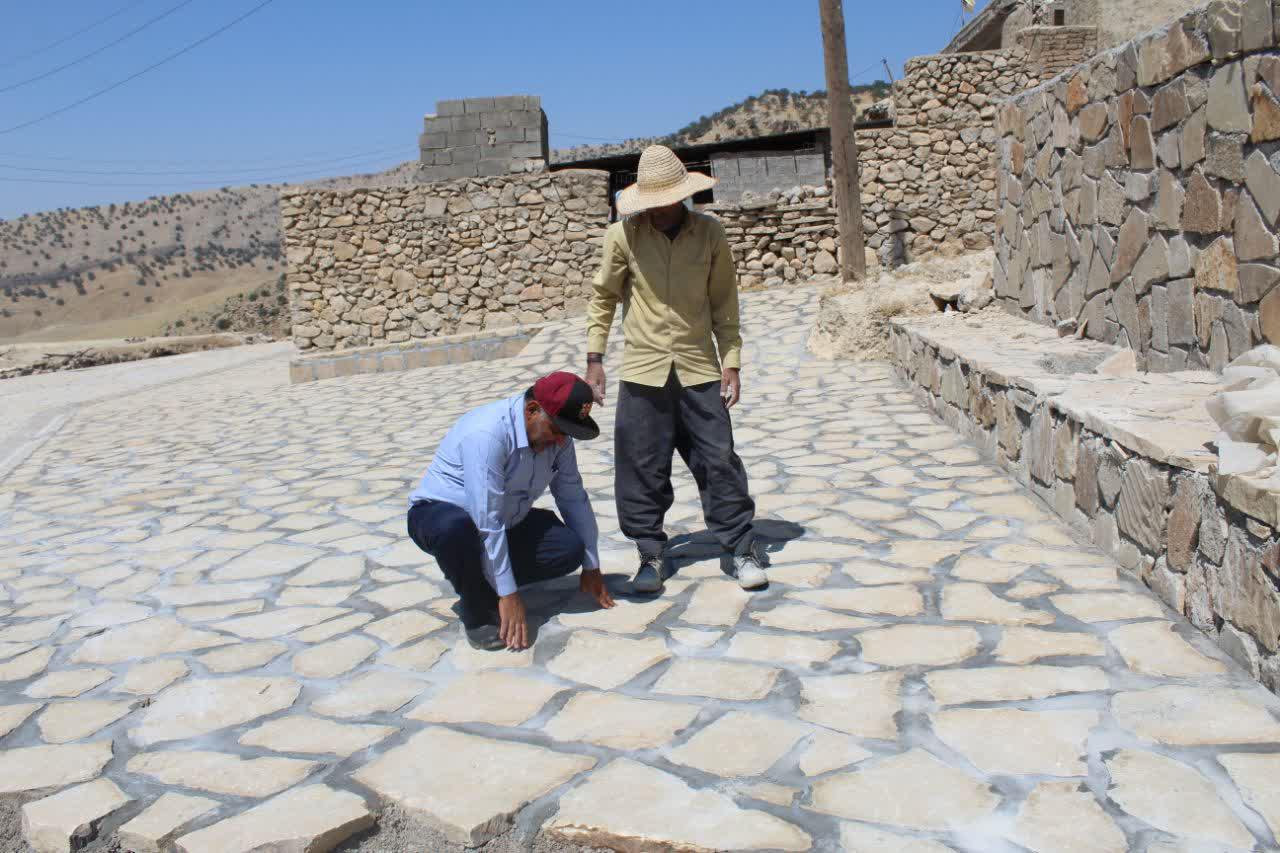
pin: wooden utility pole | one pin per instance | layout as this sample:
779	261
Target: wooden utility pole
844	148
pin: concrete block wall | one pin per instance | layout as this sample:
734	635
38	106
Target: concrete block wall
484	137
758	172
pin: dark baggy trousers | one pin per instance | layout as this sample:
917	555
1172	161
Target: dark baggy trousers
541	547
653	422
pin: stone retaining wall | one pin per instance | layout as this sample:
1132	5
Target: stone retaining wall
1131	477
1055	49
413	263
393	358
780	242
1140	193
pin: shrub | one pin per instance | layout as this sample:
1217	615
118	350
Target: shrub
223	323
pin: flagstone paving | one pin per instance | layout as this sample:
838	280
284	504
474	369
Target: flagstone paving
215	635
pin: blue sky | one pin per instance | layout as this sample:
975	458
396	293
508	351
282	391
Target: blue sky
304	88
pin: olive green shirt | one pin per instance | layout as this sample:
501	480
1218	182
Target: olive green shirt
679	300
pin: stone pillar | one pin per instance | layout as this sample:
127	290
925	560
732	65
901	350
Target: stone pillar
481	137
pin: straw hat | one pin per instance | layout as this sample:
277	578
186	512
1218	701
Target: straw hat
661	180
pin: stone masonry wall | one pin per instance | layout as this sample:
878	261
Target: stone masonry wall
783	241
409	263
930	179
1055	49
1166	520
1140	193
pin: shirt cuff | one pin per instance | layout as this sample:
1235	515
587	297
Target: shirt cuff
505	584
732	358
597	342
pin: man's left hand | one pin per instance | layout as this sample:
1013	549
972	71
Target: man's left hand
592	583
730	387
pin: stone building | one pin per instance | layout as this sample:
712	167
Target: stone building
1008	23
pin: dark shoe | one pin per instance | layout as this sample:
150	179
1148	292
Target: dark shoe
485	638
748	568
649	576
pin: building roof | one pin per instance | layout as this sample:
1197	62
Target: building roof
984	31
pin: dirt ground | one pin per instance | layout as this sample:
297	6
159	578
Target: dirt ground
853	321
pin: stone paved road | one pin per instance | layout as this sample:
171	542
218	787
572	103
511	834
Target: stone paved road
213	628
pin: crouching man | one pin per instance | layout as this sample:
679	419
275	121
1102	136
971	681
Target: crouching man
473	512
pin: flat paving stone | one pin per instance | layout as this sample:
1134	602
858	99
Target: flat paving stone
913	789
33	768
891	600
496	698
373	693
620	722
605	661
716	602
313	735
334	658
627	805
200	706
861	705
278	623
919	645
801	617
1003	683
1062	817
716	679
69	819
829	751
1018	743
1190	716
162	821
12	716
150	677
1107	606
781	649
739	744
971	602
146	639
68	683
1152	648
403	627
1255	777
310	818
1026	645
476	785
420	656
1173	797
859	838
220	772
242	656
64	722
628	617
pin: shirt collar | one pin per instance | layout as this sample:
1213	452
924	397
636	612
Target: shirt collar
517	421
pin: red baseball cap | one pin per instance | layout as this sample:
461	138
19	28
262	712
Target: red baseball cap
567	400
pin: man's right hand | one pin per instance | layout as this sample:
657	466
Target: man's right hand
513	626
595	378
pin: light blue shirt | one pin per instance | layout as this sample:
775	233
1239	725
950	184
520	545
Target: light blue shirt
485	466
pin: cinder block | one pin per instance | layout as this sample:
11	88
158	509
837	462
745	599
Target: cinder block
512	102
490	168
526	149
462	139
459	170
533	134
433	140
498	151
436	124
300	373
467	122
509	134
450	108
479	105
443	157
526	118
493	120
345	366
465	153
533	102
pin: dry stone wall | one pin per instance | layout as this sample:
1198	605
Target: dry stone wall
1140	193
1052	50
383	266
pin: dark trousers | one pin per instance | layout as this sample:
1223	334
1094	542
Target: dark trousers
541	547
652	423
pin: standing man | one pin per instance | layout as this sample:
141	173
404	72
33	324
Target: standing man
472	510
673	271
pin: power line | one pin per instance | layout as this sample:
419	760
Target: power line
192	161
138	74
379	164
93	53
209	171
25	56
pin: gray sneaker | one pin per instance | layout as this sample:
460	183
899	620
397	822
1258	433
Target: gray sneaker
748	568
648	578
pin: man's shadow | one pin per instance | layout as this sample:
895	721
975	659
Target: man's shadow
689	548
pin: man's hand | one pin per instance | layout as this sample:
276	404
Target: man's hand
730	387
592	583
513	627
595	378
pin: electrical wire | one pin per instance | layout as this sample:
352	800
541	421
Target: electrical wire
86	57
313	174
135	161
206	172
100	92
51	45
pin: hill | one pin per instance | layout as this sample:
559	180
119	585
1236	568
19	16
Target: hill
200	262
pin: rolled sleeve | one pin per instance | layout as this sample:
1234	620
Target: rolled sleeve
575	504
484	459
607	287
722	288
